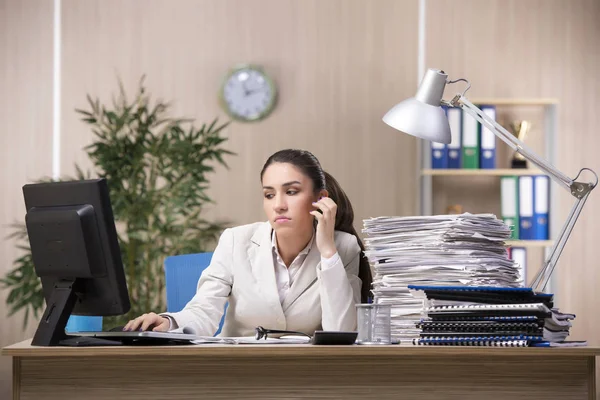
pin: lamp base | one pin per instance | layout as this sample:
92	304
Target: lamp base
518	164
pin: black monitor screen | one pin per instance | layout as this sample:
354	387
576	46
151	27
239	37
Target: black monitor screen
75	252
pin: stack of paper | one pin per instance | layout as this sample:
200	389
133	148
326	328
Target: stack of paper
441	250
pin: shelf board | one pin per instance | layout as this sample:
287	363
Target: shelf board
529	243
481	172
516	102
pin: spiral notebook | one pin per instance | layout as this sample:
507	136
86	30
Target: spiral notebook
473	289
484	294
482	328
486	343
484	318
472	338
534	309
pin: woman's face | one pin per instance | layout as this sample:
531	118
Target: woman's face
288	197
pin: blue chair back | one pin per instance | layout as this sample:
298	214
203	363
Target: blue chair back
182	273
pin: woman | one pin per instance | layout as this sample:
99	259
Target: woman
303	270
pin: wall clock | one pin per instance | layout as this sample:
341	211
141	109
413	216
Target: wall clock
248	93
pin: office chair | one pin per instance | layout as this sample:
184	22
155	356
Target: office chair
182	273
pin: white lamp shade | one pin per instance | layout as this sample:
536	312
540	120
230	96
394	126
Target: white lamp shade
420	119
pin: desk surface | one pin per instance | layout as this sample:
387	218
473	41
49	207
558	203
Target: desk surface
270	372
24	349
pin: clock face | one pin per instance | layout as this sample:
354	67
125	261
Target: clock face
248	94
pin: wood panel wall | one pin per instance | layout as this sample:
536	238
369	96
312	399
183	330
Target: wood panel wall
339	65
25	134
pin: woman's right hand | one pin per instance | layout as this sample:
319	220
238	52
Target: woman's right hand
148	321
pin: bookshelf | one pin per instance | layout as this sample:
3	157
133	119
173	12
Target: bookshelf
530	243
480	188
481	172
549	101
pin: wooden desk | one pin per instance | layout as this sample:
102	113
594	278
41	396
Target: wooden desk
285	371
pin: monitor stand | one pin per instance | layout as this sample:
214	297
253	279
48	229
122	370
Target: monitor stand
51	329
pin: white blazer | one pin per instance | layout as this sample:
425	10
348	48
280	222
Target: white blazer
242	272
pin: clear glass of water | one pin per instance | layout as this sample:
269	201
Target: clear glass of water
373	322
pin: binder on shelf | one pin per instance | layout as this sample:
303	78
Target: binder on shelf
455	118
541	207
439	155
526	231
487	152
470	142
509	192
519	255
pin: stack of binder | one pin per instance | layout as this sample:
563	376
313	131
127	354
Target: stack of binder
457	250
490	316
472	145
525	206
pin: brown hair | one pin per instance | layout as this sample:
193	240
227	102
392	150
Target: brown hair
306	162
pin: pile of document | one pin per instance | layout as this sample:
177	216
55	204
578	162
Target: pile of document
491	316
442	250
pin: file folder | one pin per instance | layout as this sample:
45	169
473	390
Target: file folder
487	153
455	117
509	192
540	212
439	155
526	231
470	141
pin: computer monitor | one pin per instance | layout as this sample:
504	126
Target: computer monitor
75	252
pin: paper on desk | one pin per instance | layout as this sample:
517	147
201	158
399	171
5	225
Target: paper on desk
251	340
287	339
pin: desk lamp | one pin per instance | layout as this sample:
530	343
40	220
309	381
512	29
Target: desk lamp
423	117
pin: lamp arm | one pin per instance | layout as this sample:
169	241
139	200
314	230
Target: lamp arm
513	142
580	190
540	280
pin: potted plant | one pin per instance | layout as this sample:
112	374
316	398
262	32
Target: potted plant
157	168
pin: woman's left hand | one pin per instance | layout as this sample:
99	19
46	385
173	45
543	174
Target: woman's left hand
325	226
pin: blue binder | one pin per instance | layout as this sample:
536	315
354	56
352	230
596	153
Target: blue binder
439	156
455	147
487	152
541	207
439	152
526	201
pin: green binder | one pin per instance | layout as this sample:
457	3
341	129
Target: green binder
509	204
470	141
